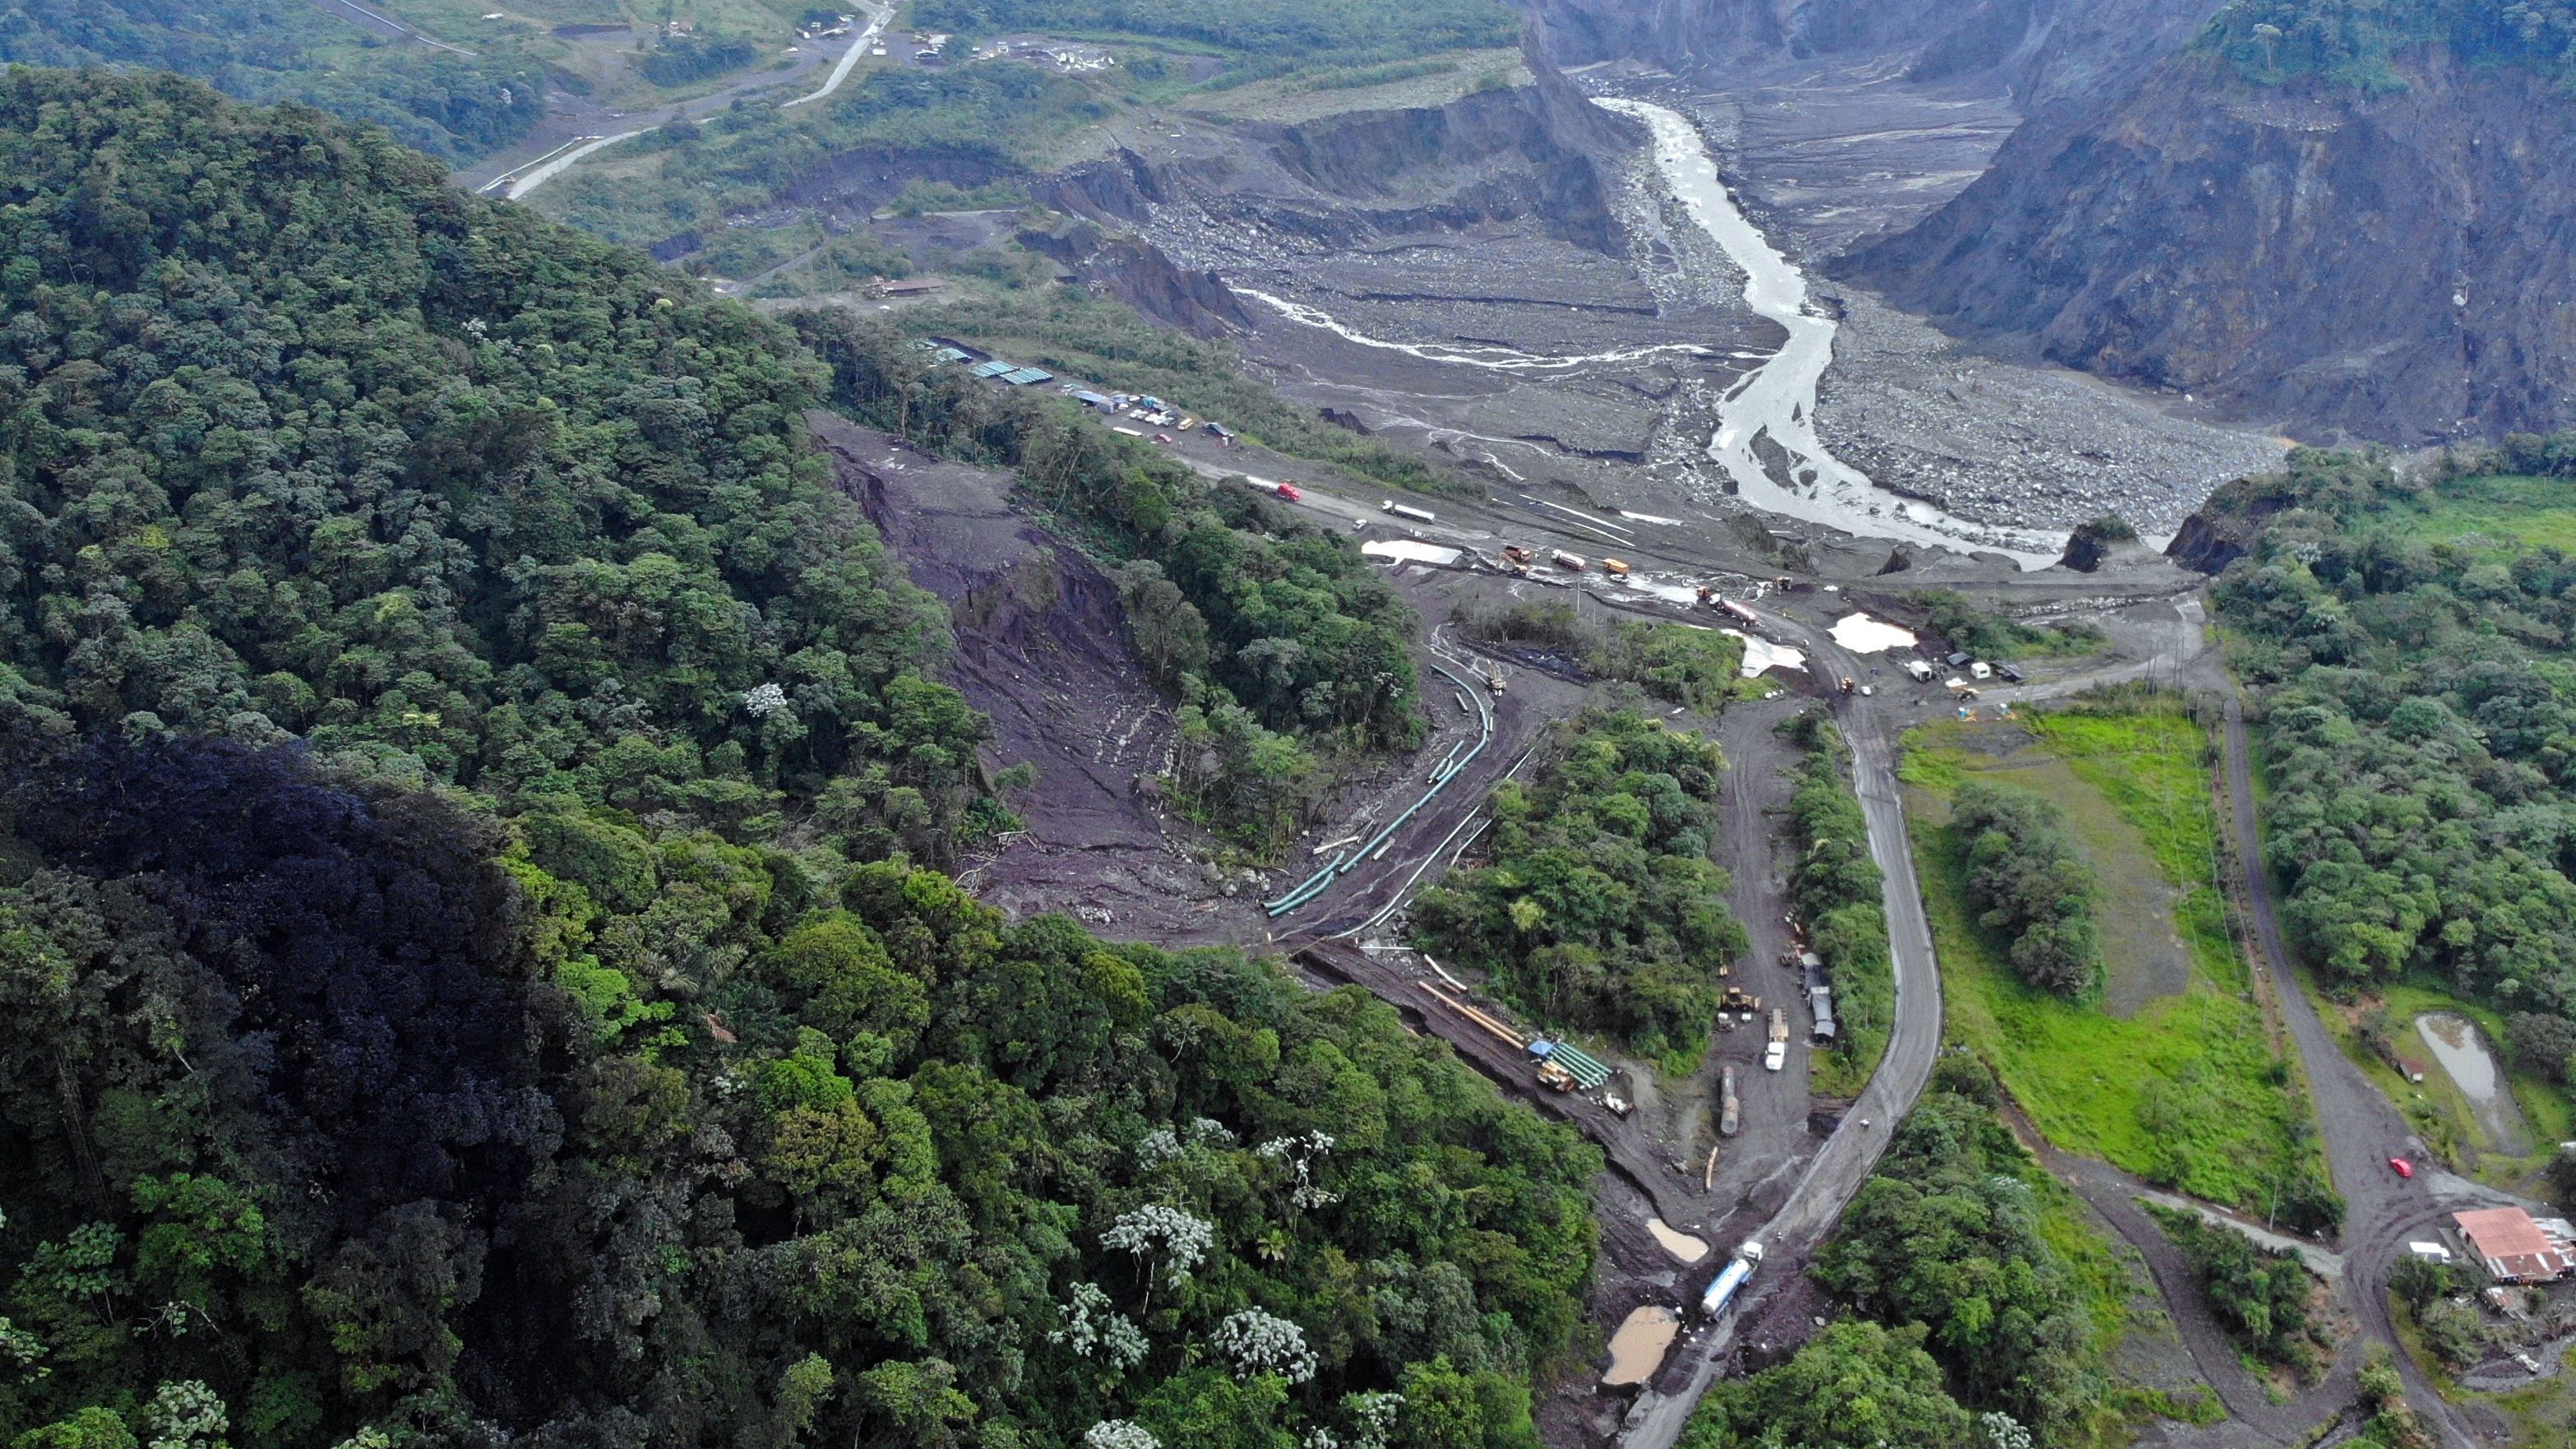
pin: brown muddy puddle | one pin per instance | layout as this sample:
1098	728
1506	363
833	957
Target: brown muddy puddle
1637	1349
1676	1242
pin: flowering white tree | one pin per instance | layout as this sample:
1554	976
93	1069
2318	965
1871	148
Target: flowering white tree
1119	1434
186	1415
1092	1327
1260	1343
1299	1152
2004	1432
1184	1239
765	700
1372	1418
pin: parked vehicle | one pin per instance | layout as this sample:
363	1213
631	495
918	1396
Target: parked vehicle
1738	1270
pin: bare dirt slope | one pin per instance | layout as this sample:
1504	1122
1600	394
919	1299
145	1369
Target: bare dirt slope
1041	648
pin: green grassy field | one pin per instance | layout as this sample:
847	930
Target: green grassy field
2497	515
2187	1090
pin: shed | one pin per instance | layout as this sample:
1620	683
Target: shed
994	368
2514	1247
1089	399
1814	972
1821	1004
1219	430
1958	659
1027	376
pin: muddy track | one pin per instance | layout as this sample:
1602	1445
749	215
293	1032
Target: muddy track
2361	1131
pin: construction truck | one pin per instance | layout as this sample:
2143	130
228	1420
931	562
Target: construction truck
1708	593
1739	1269
1779	1024
1494	681
1517	558
1849	684
1616	568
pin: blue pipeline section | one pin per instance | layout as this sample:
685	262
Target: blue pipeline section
1450	768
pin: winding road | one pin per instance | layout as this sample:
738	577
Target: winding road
1838	1169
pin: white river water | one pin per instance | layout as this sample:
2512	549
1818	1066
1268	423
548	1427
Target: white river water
1778	398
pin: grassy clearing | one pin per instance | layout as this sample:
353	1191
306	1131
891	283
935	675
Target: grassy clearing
2496	515
2188	1091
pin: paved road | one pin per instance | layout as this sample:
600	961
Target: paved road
1847	1158
878	19
2359	1128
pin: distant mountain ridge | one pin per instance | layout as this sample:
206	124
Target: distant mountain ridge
2387	260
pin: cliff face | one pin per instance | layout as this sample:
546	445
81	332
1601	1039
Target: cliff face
2396	267
1505	154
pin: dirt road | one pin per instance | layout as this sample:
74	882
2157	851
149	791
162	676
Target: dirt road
2360	1130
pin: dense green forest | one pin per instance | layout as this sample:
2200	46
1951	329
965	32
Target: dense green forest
1836	888
471	970
2414	688
2350	43
1969	1325
2029	885
1280	638
454	105
1597	907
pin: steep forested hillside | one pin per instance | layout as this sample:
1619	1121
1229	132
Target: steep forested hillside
449	102
469	967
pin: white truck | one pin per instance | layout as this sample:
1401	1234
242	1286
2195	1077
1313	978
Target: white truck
1738	1270
1776	1055
1405	510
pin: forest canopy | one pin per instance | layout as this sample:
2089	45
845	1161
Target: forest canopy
452	104
2417	727
1598	907
473	967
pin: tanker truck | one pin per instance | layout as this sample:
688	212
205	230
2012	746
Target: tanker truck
1739	1269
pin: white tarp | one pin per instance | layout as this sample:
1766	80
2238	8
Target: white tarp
1410	550
1761	654
1862	634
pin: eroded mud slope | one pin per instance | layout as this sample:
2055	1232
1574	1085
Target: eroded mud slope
1040	647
